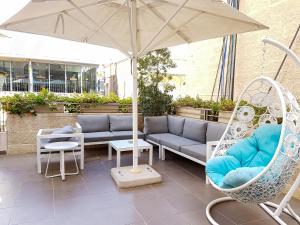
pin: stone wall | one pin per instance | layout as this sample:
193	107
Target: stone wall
282	17
22	131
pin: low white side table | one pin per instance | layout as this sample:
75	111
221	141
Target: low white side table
61	147
127	145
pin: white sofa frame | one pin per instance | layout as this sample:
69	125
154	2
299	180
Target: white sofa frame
46	134
209	149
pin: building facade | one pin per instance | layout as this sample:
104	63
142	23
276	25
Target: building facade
31	75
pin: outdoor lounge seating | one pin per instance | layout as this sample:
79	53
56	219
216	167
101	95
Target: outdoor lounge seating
190	138
100	129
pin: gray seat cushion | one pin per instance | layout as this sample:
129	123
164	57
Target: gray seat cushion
121	135
215	131
97	136
93	123
195	129
195	151
175	142
156	137
120	123
175	125
156	125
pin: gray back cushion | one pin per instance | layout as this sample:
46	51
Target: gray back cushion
195	129
93	123
156	124
65	130
215	131
120	123
175	125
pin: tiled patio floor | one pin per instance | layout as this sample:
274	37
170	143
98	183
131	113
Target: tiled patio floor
92	198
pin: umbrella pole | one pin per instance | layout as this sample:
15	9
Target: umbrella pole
135	168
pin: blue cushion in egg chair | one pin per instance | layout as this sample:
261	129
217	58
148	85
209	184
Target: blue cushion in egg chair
246	159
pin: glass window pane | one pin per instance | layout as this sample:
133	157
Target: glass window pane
20	76
40	73
4	75
57	77
89	78
73	78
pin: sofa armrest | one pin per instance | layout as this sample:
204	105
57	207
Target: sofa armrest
78	127
209	148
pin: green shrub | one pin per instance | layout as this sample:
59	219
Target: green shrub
26	103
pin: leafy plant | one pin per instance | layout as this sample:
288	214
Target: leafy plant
26	103
153	82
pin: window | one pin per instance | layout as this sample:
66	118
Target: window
40	74
4	75
57	77
20	76
88	79
73	79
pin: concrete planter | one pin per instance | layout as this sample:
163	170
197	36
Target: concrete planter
3	141
21	131
46	109
224	116
104	108
197	113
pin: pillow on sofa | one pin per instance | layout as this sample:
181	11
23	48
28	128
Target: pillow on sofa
156	125
175	125
120	123
195	129
65	130
93	123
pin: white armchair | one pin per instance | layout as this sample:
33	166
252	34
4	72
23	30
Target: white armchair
44	134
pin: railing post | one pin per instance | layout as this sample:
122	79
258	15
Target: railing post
10	77
30	80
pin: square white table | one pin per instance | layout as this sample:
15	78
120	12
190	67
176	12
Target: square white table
127	145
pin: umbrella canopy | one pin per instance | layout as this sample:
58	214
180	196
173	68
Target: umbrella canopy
132	26
106	23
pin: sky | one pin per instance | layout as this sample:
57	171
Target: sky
41	47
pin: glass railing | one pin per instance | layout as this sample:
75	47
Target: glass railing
55	86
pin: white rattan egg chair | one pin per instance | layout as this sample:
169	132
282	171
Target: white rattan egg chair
263	102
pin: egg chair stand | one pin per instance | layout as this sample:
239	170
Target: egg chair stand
276	102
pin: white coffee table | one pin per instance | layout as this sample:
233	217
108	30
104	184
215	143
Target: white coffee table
61	147
127	145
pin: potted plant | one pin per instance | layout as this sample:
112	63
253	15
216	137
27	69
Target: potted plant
226	109
191	107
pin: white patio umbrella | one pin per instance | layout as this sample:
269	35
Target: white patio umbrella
132	26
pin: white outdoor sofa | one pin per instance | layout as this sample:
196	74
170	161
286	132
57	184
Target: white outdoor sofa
191	138
45	134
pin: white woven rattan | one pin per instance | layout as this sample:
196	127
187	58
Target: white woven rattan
264	101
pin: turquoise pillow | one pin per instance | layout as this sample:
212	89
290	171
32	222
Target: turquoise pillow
240	176
245	159
258	149
216	168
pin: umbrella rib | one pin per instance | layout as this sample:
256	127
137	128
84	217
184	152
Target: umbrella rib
170	25
99	27
121	48
179	27
53	14
163	27
213	14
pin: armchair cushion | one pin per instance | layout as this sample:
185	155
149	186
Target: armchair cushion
93	123
120	123
175	125
156	125
195	130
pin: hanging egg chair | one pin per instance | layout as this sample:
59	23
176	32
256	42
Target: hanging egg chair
259	150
